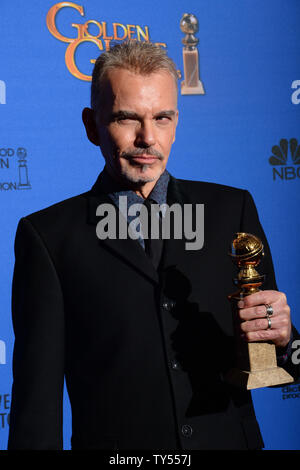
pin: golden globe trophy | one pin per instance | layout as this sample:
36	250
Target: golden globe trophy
256	365
191	85
23	170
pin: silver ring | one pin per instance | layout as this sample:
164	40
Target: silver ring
269	309
269	323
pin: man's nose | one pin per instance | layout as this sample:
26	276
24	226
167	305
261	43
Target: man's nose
145	136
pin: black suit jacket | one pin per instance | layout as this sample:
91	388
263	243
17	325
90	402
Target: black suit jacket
144	353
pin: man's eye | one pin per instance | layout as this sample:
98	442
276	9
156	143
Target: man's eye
163	119
122	120
125	120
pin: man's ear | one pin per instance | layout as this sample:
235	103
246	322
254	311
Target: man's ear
89	121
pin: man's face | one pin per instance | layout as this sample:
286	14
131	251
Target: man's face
136	126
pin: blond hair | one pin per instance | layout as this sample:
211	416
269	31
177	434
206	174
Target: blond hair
143	58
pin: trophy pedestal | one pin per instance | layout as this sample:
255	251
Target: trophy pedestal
23	173
191	85
257	367
192	90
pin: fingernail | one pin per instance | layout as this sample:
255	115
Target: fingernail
240	304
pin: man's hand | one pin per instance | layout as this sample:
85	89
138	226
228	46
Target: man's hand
254	325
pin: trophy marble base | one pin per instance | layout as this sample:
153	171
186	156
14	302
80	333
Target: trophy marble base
258	379
257	367
192	90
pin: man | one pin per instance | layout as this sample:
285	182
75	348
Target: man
141	331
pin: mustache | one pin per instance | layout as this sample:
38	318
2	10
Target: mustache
142	151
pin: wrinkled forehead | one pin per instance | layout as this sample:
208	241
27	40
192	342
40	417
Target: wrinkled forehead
132	88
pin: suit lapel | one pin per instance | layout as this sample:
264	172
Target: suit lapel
128	250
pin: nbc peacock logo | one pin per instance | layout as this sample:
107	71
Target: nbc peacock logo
284	154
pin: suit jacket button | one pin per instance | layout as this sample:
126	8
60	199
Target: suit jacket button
175	365
186	430
168	305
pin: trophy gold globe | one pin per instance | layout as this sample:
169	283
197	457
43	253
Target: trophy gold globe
246	252
189	25
191	85
256	362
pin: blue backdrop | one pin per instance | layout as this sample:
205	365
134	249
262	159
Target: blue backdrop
250	69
